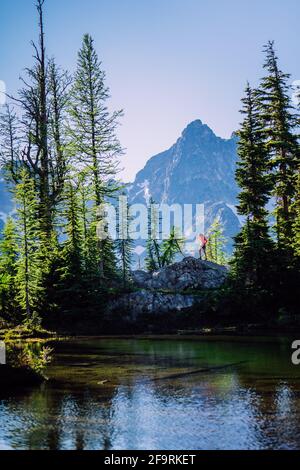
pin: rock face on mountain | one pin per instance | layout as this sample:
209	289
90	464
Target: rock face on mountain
198	169
164	290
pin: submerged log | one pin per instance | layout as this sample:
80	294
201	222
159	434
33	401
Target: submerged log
180	375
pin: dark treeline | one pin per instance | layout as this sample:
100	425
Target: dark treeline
265	272
60	156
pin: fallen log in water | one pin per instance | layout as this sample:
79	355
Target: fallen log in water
195	372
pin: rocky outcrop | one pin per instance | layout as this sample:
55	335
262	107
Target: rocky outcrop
151	302
188	274
173	288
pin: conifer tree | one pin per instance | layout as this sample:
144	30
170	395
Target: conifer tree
153	259
92	131
71	256
33	102
296	206
35	140
124	242
10	143
296	224
151	262
279	123
215	250
84	197
8	270
171	247
58	84
28	277
253	245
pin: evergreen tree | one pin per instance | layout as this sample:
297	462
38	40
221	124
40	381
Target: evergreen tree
58	84
10	143
85	196
153	259
92	131
171	247
296	225
253	245
124	242
70	285
279	123
35	140
296	207
33	102
215	250
28	277
8	270
73	245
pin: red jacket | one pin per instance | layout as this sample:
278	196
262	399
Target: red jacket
203	240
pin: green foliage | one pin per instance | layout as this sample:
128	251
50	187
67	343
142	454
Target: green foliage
161	253
171	247
265	273
92	129
296	224
124	242
71	252
61	159
279	125
8	270
9	133
253	246
153	259
30	356
215	249
93	142
252	169
28	275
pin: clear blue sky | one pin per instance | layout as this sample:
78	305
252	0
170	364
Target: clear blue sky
167	61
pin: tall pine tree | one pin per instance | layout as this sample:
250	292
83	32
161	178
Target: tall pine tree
153	259
124	242
215	250
29	272
171	247
94	144
70	285
253	245
9	253
280	122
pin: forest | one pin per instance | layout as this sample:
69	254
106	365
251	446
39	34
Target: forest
60	156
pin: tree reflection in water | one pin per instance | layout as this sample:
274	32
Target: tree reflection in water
101	396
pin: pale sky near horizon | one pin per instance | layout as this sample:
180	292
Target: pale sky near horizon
167	62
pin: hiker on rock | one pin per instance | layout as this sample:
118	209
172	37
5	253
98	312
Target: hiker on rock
203	242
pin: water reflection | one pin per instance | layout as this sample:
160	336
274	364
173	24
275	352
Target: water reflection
103	396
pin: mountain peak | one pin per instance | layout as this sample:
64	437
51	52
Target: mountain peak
195	123
197	127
